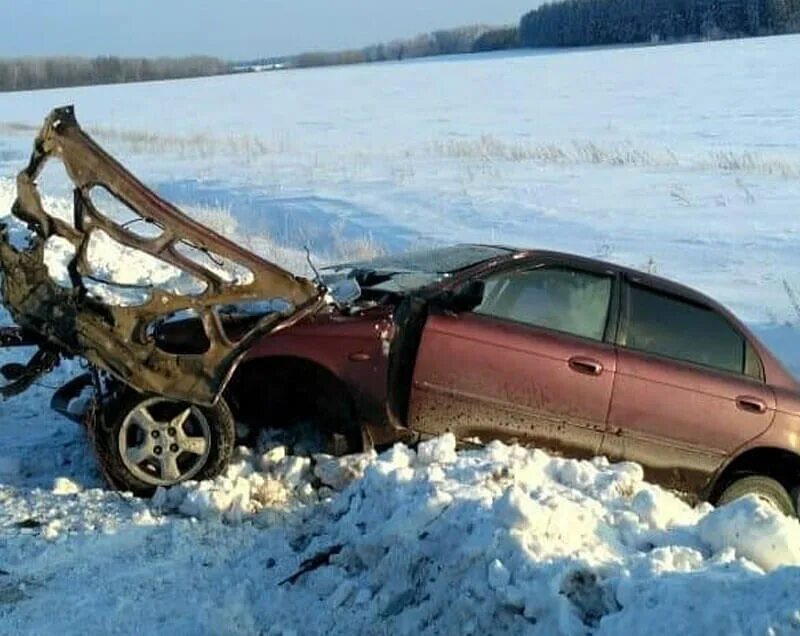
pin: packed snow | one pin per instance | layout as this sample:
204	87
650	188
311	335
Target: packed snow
498	540
661	158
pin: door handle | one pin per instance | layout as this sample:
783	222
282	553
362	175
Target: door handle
358	356
587	366
751	404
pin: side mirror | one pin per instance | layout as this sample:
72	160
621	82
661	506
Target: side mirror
469	296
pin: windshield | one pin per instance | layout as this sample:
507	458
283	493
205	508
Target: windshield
412	270
441	260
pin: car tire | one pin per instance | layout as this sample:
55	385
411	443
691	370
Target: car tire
143	442
766	488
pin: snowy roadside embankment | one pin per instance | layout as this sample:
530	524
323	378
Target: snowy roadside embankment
497	540
511	539
508	539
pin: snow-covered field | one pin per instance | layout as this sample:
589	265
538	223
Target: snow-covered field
682	159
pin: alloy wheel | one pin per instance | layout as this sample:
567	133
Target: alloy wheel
163	442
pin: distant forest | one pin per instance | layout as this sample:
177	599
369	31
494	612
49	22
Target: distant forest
556	24
468	39
597	22
48	72
587	23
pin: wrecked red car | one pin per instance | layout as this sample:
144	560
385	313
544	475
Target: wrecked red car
571	354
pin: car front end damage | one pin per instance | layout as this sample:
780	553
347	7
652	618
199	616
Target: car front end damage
175	373
120	340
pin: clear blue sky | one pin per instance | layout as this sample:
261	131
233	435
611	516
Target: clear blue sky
233	29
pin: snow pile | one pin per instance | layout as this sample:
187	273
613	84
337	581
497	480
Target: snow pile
497	540
754	532
501	539
509	540
264	488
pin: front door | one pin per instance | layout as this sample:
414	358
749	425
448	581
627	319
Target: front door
529	363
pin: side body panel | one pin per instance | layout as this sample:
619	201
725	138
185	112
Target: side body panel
782	435
479	376
353	348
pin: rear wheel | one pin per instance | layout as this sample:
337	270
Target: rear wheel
765	488
151	441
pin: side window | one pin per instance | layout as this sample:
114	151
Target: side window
560	299
675	328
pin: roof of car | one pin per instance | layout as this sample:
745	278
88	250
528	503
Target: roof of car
634	275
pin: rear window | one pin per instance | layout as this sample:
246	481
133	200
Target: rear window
675	328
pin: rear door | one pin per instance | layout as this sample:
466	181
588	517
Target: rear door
688	388
530	363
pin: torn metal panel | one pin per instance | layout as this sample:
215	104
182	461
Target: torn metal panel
119	339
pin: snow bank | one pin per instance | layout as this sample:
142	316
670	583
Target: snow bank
497	540
509	540
753	531
264	488
501	539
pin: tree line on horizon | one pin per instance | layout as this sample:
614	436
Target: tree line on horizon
599	22
29	73
467	39
560	23
563	23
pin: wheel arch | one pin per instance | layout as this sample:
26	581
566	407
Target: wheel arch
282	387
779	463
